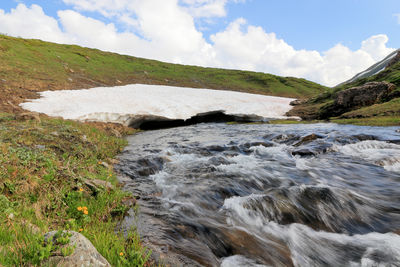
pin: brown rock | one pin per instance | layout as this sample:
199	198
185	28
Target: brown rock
96	185
297	102
28	116
308	139
365	95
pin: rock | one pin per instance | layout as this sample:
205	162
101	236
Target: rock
297	102
303	152
264	144
365	95
308	139
84	254
33	228
113	161
116	133
96	185
129	201
28	116
357	97
365	137
105	164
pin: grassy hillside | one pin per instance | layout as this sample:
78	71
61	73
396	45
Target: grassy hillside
388	111
28	66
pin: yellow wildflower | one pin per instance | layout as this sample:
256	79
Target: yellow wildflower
80	230
79	208
121	254
85	212
80	189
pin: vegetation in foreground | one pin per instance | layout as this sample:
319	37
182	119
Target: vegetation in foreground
43	169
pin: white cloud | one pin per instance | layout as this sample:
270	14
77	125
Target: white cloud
249	47
30	23
167	31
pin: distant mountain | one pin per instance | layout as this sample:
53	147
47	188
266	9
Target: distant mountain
376	68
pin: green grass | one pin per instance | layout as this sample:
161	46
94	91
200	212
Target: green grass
371	121
43	166
390	108
289	121
35	64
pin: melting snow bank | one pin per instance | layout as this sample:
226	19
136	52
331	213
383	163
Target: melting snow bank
133	105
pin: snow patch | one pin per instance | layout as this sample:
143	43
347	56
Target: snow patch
138	102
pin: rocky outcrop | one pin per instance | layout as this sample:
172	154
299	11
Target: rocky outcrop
357	97
365	95
84	253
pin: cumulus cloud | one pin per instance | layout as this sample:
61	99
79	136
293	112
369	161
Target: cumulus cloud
30	23
166	30
249	47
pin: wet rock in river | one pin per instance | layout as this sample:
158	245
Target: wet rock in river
285	138
365	137
307	139
303	152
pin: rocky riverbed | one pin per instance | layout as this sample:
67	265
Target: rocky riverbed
261	195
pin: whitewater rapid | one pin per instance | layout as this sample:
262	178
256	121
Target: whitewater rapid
130	103
267	195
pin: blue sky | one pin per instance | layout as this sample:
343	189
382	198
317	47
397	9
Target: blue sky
301	34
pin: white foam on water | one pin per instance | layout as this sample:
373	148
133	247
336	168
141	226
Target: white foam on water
375	249
119	104
380	153
313	248
239	260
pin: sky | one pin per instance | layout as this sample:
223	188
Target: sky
321	40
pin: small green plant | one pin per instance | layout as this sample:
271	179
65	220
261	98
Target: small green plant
62	237
67	251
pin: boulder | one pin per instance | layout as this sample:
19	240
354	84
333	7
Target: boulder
357	97
96	185
84	254
297	102
307	139
303	152
365	95
28	116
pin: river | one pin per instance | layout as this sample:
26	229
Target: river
266	195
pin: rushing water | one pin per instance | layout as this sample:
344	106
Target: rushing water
267	195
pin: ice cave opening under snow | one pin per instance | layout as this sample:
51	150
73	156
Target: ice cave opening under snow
158	106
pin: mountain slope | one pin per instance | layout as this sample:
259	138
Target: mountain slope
29	66
374	69
323	106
